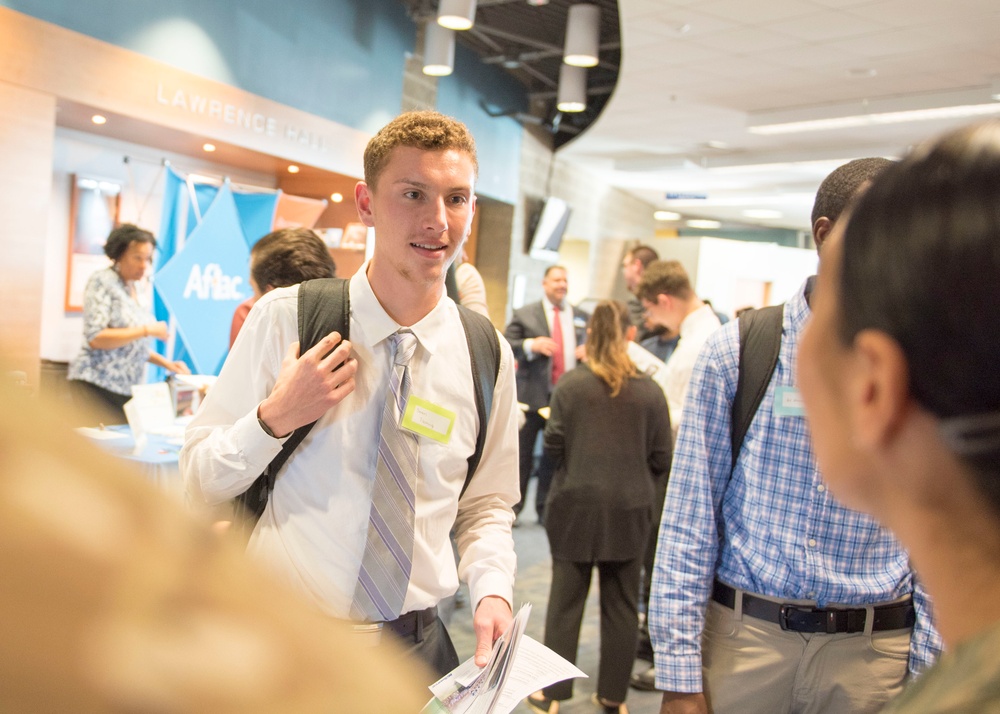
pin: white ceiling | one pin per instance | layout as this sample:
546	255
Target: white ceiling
694	72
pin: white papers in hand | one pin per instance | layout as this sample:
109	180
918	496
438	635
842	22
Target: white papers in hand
517	667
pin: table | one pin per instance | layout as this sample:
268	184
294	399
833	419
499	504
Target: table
157	461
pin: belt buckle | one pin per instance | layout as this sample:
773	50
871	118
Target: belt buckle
783	613
829	618
372	632
783	616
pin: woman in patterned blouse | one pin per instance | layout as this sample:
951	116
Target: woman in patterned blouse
117	328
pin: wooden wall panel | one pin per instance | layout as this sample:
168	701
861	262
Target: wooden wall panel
27	136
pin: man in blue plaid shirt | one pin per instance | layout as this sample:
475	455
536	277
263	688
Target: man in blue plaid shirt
768	595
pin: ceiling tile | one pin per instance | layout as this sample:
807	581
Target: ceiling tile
827	25
757	13
745	40
666	52
910	41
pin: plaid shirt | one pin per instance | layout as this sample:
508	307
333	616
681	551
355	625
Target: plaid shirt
772	528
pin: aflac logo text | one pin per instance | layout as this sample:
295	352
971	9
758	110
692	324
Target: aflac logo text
211	284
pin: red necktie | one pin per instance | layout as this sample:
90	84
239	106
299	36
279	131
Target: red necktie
558	357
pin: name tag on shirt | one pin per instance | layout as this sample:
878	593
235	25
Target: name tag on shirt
427	419
788	402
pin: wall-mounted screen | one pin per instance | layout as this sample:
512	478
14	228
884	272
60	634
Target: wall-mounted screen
548	233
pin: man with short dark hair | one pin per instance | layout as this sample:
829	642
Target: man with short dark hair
547	338
360	514
633	266
281	258
768	595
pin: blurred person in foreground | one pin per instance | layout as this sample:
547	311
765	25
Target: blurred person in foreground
898	374
117	325
281	258
116	600
608	438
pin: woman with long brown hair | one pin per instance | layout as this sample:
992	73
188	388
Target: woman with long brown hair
609	439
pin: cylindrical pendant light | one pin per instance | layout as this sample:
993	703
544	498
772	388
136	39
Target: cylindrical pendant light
457	14
583	35
439	50
572	93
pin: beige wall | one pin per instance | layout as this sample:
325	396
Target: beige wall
603	220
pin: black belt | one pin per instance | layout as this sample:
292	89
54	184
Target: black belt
804	618
412	624
407	626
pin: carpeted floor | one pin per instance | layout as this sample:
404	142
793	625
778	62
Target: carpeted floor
532	585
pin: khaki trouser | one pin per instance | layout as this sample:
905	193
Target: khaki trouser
752	666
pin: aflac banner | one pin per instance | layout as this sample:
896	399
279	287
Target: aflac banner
202	268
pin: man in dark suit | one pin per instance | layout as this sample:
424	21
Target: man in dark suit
536	332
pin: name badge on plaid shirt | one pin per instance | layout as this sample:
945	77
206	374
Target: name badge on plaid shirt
788	402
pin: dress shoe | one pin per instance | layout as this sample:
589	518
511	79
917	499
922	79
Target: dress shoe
607	707
538	702
644	680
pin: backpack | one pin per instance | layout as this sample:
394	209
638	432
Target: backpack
760	343
324	306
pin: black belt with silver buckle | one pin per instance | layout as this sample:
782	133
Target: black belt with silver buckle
804	618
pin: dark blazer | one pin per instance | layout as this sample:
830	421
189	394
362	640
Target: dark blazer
611	455
534	376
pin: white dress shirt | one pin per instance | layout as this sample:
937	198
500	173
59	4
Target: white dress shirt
568	333
314	526
648	363
694	331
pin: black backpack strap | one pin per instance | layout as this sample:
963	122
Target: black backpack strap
484	352
324	306
760	343
451	283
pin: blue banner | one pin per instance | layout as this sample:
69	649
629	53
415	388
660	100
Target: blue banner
202	265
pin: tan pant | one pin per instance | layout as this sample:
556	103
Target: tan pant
752	666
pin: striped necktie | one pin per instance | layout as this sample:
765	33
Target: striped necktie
385	566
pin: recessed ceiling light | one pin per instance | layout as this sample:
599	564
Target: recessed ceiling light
99	119
862	72
762	213
703	223
666	216
716	144
293	169
336	197
208	147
